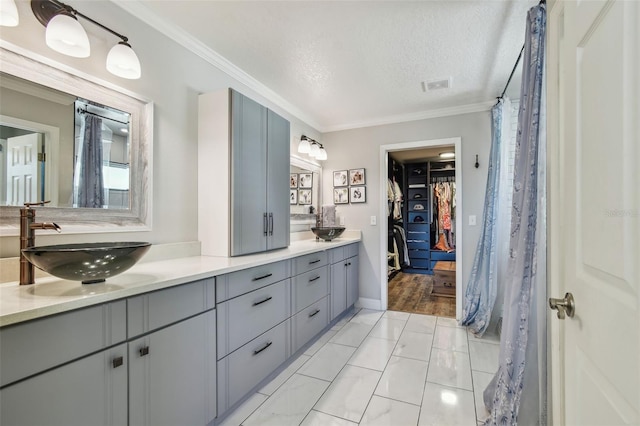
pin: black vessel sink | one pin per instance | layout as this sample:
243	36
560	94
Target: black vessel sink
328	233
89	262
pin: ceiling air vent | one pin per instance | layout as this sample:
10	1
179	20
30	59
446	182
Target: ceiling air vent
436	84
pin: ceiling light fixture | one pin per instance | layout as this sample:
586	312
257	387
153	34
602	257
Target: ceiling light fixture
9	13
447	155
312	147
65	35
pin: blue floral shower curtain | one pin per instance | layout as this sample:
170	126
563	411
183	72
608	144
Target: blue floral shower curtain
522	367
480	294
90	185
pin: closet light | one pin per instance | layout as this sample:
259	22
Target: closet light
304	146
65	35
9	13
447	155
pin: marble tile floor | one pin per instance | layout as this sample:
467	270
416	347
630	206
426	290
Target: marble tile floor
380	368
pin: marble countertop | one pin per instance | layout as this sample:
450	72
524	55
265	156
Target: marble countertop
51	295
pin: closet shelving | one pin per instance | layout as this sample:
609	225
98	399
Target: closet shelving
417	218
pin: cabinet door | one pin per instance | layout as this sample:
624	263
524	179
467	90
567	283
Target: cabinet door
89	391
248	177
278	180
338	288
353	278
172	374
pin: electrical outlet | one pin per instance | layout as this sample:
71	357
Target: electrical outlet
373	221
472	220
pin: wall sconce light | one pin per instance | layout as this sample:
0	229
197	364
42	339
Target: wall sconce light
477	163
9	13
312	147
64	34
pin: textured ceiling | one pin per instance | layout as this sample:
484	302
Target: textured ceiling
341	64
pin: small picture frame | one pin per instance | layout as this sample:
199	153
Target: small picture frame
293	196
358	194
356	177
304	197
293	180
305	180
340	178
341	195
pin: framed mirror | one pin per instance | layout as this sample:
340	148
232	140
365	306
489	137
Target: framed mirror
88	146
306	192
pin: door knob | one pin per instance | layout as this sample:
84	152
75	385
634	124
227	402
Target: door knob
564	306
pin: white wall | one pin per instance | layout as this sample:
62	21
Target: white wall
358	148
172	77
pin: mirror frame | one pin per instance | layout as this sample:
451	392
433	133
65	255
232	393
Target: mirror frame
85	220
313	167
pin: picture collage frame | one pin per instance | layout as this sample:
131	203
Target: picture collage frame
349	186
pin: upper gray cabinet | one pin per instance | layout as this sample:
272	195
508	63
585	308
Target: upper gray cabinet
243	175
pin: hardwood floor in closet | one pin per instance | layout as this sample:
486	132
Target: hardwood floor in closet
412	293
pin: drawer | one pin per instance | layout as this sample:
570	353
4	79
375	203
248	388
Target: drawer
418	254
420	263
352	250
309	287
442	255
308	262
417	228
151	311
309	322
247	316
31	347
418	244
242	370
236	283
337	254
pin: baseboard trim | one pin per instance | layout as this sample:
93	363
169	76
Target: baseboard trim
369	304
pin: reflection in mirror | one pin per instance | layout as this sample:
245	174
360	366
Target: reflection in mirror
87	145
305	193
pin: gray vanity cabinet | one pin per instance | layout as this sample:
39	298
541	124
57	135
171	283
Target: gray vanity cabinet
344	278
243	175
172	374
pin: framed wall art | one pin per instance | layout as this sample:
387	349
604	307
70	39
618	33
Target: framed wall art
304	197
340	195
358	194
340	178
293	180
293	196
356	177
305	180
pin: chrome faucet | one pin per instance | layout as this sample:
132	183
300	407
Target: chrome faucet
28	227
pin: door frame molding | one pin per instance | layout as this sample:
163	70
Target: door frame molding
405	146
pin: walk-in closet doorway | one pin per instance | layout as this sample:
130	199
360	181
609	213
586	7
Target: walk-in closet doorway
449	144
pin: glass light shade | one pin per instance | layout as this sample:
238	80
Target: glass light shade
65	35
322	154
123	62
304	146
315	149
9	13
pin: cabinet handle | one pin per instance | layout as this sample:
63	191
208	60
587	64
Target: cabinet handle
349	264
314	279
315	261
317	311
262	277
262	301
264	224
270	223
257	351
118	361
144	351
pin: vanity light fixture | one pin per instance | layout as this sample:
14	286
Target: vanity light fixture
65	35
447	155
312	147
9	13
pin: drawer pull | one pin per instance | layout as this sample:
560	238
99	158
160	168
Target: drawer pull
315	261
118	361
262	301
144	351
313	314
262	277
257	351
314	279
349	264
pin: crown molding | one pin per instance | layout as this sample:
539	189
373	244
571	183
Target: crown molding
186	40
414	116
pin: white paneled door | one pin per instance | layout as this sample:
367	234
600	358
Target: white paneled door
594	152
23	169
